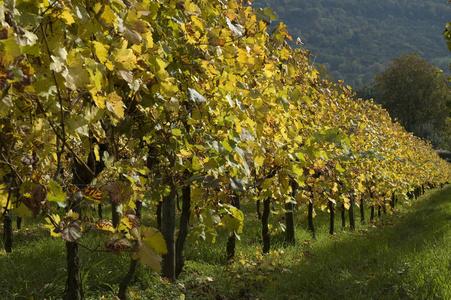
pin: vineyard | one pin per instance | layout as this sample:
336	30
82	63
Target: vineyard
186	111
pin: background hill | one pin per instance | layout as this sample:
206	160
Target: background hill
357	39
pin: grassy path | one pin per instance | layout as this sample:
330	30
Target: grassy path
404	256
408	260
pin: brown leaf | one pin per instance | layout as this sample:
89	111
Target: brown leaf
118	245
37	199
69	229
119	191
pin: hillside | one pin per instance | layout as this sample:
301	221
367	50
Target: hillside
356	39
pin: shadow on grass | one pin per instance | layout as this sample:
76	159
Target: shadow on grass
406	260
36	268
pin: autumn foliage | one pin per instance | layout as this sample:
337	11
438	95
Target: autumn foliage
119	102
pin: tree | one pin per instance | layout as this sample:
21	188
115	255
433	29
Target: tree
415	93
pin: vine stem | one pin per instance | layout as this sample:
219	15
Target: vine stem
64	141
60	99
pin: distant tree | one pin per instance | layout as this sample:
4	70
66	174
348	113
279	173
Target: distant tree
365	92
415	93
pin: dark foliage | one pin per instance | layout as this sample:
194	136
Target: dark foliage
357	39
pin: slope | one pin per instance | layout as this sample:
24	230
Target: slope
356	39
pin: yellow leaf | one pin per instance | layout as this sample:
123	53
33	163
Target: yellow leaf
138	49
96	152
197	22
154	239
298	170
346	202
51	227
259	159
158	66
148	37
66	16
243	56
114	104
107	15
185	154
148	257
339	168
4	197
99	100
104	225
73	215
125	58
361	187
93	194
335	187
266	184
95	86
101	51
109	65
151	243
168	88
191	7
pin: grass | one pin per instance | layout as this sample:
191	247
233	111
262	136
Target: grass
406	255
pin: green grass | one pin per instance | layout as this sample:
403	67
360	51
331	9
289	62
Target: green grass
403	256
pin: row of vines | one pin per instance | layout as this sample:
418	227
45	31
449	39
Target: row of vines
135	104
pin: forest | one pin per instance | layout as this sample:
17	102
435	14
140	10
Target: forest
357	39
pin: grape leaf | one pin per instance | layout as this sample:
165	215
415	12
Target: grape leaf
56	192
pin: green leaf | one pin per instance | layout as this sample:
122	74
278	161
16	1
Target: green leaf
151	243
233	220
270	13
107	159
56	192
226	145
339	168
176	131
22	211
78	125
